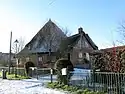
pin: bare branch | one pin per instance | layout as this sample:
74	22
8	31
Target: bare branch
121	42
121	31
66	31
20	45
123	27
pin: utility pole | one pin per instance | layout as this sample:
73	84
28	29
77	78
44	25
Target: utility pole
16	42
10	53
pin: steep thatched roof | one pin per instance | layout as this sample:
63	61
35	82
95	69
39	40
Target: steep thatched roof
49	36
69	41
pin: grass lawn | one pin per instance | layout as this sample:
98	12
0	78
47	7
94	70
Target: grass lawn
12	76
0	74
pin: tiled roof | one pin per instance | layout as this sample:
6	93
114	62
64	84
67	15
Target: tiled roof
117	48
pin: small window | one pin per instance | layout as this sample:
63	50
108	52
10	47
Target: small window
40	59
80	55
29	47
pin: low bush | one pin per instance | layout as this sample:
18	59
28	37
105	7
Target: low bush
71	89
12	76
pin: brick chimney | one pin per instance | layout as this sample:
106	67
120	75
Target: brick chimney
80	30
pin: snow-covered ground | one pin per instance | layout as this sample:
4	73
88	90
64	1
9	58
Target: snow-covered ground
28	86
34	86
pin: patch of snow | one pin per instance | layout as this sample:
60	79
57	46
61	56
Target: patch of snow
81	73
28	86
77	70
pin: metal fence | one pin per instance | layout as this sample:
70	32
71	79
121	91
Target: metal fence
20	71
109	82
43	74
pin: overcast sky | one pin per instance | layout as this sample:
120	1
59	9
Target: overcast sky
99	18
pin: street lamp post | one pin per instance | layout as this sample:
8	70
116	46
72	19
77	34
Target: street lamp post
16	42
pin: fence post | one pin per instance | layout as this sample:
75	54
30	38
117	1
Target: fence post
12	71
15	71
37	72
51	74
87	80
93	80
4	74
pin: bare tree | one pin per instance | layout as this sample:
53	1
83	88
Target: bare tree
50	39
53	39
121	31
21	44
66	31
